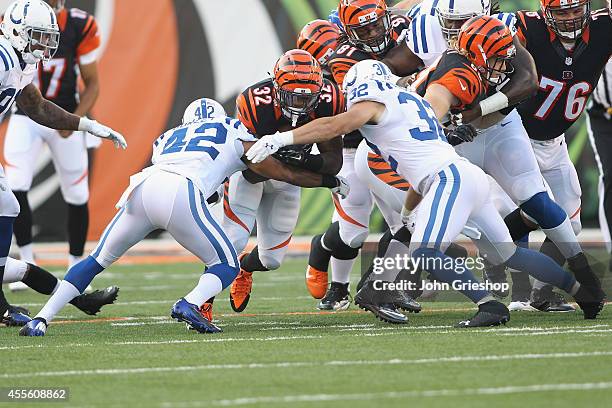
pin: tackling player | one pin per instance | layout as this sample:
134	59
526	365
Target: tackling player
190	162
30	36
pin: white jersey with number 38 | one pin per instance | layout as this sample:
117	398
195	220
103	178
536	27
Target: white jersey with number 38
408	136
204	151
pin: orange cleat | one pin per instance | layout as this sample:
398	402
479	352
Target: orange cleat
206	311
316	282
240	291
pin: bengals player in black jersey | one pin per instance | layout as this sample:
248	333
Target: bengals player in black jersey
570	45
76	57
296	94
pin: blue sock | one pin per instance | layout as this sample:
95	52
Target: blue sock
541	267
544	210
446	269
81	274
224	272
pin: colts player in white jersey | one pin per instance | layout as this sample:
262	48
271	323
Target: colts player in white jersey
30	35
190	162
401	127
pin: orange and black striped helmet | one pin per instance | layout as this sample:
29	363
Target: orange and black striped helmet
578	13
298	81
367	24
487	43
319	38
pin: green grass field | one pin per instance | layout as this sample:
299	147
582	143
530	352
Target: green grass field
281	352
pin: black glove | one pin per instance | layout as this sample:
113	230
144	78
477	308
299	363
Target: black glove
461	134
291	155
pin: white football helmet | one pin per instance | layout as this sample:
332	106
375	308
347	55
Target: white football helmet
453	13
204	108
31	27
364	71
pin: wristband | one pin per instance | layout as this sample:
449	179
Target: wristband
493	103
329	181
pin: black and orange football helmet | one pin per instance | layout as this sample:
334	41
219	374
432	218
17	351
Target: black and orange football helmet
567	18
487	43
367	24
319	38
298	82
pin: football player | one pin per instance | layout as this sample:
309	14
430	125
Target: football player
57	79
402	128
30	35
190	162
297	93
371	32
568	66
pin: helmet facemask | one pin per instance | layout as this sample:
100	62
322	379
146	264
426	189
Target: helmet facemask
373	35
41	45
497	68
451	23
297	101
570	28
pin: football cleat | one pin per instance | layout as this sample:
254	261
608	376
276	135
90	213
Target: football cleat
521	306
14	316
590	301
240	291
20	309
184	311
373	301
337	297
546	300
491	313
35	327
402	300
206	309
316	282
91	303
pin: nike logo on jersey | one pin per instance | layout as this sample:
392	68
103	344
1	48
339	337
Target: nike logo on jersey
504	124
463	87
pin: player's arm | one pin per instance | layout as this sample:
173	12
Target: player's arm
330	157
46	113
402	61
274	169
440	99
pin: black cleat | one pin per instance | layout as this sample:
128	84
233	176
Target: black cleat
546	300
591	303
19	309
337	297
402	300
91	303
496	274
12	317
373	301
579	265
491	313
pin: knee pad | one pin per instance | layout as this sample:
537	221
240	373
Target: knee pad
14	270
76	195
544	210
269	260
334	243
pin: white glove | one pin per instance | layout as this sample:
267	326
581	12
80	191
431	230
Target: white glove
409	218
268	145
102	131
342	189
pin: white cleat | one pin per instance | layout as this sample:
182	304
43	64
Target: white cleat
519	306
17	286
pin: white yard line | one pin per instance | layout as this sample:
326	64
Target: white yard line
289	364
395	395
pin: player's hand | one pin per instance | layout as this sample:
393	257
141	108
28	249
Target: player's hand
342	189
65	133
268	145
462	134
103	132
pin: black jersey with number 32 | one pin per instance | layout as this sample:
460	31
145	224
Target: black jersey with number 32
566	78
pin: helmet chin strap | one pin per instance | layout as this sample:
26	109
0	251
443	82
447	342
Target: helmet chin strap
32	57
